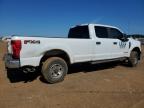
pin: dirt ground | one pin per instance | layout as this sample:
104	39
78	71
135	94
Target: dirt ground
108	85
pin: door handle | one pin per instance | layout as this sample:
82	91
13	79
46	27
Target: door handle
98	43
115	43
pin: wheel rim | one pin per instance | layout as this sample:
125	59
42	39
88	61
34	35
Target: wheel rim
56	70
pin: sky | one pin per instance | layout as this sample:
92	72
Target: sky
55	17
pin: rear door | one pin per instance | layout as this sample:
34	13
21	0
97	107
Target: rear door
80	43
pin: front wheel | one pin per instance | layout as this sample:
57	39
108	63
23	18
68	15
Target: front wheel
54	69
133	59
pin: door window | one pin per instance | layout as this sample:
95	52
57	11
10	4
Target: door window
114	33
101	32
80	32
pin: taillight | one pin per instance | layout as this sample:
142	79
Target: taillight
16	47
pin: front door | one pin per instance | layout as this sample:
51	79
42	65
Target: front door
102	44
119	47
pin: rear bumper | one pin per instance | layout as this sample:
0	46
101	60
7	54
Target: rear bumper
11	63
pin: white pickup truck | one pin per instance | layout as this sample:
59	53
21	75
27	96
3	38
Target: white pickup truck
94	43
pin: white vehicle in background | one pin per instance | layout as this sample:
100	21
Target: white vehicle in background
94	43
6	38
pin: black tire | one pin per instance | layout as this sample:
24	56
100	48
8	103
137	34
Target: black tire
133	59
54	70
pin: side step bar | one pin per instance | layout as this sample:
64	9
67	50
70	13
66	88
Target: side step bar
108	60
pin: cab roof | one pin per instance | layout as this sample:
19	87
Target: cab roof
93	24
97	25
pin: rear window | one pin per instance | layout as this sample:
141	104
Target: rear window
80	32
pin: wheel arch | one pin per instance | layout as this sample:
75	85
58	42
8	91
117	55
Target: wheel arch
56	53
137	49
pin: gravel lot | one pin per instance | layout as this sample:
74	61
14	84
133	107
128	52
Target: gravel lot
108	85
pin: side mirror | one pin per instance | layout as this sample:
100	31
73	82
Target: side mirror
123	38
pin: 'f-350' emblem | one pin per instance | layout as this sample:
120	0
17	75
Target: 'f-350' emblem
122	44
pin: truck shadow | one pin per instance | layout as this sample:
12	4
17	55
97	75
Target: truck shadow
16	75
91	67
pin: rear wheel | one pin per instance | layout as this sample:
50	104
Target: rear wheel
133	59
54	69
